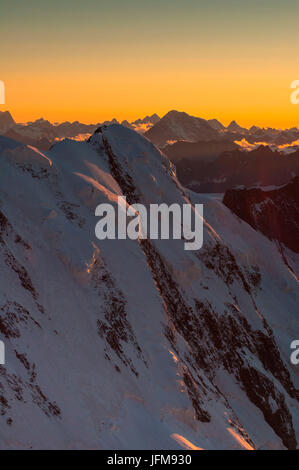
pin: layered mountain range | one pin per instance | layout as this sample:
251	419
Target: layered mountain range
209	157
174	127
262	166
42	133
178	126
124	344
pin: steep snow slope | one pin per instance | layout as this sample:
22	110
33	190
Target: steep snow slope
127	344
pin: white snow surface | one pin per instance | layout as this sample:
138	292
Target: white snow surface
63	385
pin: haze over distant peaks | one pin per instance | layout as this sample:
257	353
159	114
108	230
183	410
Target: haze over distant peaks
174	126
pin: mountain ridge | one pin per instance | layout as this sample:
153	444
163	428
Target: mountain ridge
148	332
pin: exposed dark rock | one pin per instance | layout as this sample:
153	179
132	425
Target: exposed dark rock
275	213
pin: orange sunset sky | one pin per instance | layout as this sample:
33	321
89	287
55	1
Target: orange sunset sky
95	60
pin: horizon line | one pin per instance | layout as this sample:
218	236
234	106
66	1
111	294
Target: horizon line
119	121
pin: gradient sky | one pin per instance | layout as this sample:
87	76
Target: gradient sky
94	60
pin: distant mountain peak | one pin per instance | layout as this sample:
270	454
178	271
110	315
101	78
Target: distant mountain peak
235	127
216	124
175	113
178	125
6	121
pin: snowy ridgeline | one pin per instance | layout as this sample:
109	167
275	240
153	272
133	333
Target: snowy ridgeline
136	344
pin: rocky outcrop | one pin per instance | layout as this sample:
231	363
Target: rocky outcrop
275	213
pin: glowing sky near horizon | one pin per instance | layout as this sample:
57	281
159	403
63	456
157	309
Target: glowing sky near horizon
95	60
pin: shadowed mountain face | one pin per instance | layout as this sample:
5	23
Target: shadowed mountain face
212	158
176	125
274	213
201	151
123	344
6	121
215	124
179	126
234	127
261	166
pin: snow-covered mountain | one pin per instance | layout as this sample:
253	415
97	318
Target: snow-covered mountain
127	344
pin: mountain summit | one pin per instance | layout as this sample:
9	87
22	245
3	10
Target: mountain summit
234	127
177	125
6	121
